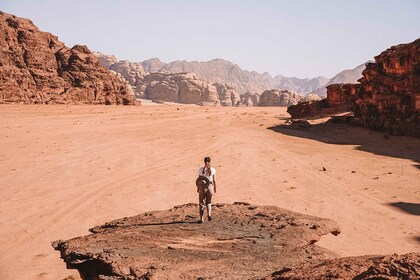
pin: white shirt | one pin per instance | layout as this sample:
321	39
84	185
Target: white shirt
213	172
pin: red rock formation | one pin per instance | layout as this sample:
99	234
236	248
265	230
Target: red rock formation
358	268
340	98
35	67
242	242
389	98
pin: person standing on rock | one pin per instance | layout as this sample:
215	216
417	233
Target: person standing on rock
206	186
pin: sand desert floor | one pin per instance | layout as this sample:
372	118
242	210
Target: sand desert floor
65	169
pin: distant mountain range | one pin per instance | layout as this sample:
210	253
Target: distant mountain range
226	72
223	71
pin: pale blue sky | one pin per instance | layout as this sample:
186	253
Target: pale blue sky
292	38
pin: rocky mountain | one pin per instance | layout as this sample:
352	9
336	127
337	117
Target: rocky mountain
223	71
35	67
349	76
150	82
226	72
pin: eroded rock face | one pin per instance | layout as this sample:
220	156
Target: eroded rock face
35	67
228	96
184	88
243	241
250	99
276	97
358	268
340	98
389	98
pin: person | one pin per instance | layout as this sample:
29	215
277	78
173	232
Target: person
206	186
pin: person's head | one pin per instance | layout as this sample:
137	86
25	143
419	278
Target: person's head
207	161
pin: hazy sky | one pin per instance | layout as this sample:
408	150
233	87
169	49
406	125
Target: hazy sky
293	38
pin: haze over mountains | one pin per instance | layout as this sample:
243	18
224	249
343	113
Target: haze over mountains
224	71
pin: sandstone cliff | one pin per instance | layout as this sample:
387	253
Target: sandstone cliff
35	67
184	88
389	97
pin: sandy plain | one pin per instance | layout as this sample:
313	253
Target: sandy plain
65	169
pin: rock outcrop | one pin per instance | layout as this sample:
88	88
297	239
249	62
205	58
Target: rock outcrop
282	98
359	268
35	67
228	95
185	88
250	99
242	242
340	98
389	97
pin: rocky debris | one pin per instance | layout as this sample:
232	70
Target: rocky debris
389	97
340	98
282	98
243	241
35	67
359	268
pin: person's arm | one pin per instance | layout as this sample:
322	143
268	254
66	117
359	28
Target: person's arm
214	182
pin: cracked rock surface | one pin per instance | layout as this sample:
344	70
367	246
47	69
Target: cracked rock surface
242	242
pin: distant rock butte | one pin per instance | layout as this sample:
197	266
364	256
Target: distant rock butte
35	67
243	241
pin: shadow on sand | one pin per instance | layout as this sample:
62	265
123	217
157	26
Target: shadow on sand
366	140
411	208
